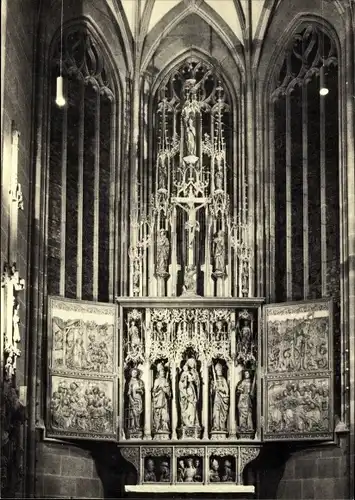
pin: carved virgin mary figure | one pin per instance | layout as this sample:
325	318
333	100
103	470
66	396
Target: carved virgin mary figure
220	391
189	393
190	132
135	401
161	394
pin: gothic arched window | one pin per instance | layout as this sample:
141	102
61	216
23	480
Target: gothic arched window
305	150
81	173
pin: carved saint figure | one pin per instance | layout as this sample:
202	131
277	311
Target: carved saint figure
198	476
163	248
228	475
245	403
160	400
214	475
164	472
181	471
190	281
189	394
219	252
135	401
218	180
149	473
190	131
190	471
220	391
134	336
245	337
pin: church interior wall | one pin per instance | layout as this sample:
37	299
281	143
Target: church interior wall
64	470
17	114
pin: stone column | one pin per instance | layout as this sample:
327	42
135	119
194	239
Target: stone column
232	421
205	399
147	401
147	379
232	381
175	395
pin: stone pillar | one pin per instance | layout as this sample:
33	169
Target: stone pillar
348	247
205	399
147	401
232	422
232	381
174	401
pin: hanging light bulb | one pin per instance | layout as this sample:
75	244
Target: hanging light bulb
60	100
323	89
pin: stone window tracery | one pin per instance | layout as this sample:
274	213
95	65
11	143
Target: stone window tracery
80	202
306	178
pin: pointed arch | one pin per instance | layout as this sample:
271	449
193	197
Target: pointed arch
124	30
98	36
204	56
268	10
295	25
174	17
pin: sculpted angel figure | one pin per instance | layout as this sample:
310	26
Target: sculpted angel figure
161	394
135	401
220	392
163	248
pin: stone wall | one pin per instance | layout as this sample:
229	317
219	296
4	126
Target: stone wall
316	474
18	89
66	471
287	473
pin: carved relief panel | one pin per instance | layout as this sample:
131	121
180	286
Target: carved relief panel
83	365
298	382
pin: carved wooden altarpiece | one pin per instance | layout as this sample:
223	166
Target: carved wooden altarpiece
188	387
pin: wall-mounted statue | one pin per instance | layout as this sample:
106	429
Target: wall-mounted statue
135	402
161	395
189	394
245	393
220	394
163	248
